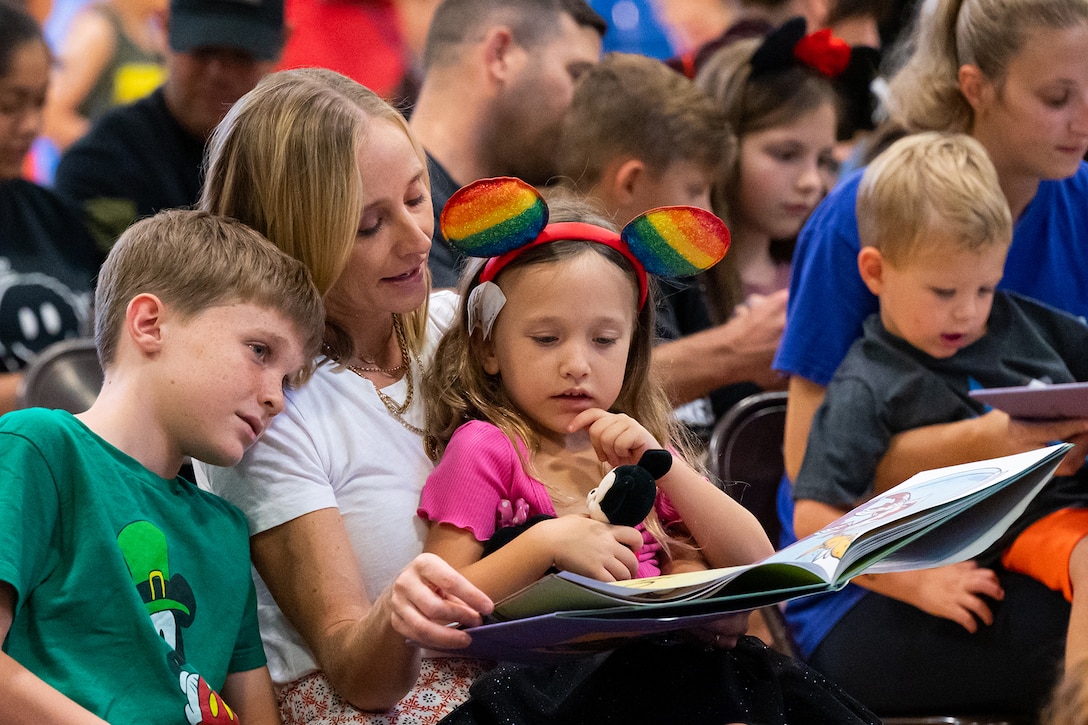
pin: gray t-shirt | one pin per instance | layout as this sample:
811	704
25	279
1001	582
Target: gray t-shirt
886	386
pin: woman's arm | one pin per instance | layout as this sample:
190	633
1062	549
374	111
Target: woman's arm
804	398
83	58
311	570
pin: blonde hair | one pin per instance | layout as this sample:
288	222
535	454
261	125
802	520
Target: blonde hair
457	389
284	161
927	182
193	260
636	106
772	100
925	94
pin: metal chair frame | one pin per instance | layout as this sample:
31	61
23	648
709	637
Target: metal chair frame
65	375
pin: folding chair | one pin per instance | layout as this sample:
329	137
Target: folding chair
745	455
65	375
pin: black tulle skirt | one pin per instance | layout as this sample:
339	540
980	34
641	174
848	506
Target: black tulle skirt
663	680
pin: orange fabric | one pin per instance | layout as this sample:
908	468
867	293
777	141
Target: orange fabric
1043	549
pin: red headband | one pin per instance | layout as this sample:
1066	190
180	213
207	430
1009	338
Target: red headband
577	232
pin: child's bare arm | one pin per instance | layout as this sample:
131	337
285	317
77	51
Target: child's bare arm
24	697
571	543
727	534
618	439
944	444
251	696
973	439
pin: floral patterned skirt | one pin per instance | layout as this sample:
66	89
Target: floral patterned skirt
442	685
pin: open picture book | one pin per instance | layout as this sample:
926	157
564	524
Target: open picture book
935	518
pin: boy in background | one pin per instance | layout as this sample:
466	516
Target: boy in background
125	591
638	135
935	230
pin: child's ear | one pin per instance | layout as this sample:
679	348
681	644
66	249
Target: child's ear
488	357
144	321
626	181
871	267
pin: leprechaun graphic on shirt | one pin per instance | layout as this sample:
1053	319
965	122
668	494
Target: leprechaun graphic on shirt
172	606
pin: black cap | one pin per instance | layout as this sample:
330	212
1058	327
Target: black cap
255	26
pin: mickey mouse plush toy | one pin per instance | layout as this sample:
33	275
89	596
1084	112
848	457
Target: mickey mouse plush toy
625	496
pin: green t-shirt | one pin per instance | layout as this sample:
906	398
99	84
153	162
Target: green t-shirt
134	593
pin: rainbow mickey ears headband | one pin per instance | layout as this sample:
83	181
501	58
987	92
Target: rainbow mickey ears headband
502	217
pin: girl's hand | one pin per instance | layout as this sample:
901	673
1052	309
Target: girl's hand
590	548
723	633
427	596
618	439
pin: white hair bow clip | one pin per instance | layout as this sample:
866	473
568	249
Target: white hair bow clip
484	304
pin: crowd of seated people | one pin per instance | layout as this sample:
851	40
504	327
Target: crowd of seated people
751	124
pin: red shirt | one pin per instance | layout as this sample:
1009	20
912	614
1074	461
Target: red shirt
359	38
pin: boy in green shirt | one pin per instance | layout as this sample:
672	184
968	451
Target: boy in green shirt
125	591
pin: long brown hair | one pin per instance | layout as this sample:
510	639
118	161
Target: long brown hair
750	106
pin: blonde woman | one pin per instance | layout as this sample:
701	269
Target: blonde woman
331	174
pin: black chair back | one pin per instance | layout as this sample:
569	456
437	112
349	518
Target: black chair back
745	454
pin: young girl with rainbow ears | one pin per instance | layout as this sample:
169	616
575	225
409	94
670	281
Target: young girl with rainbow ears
544	386
541	386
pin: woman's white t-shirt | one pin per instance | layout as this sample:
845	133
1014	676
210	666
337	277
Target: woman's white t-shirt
336	446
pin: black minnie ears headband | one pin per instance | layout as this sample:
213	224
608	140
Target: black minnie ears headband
850	69
502	217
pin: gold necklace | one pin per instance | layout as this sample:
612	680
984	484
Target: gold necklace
375	369
358	369
395	410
